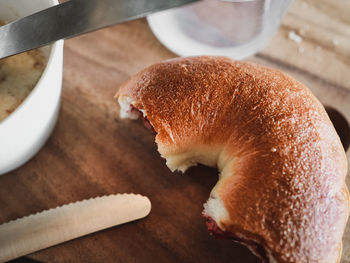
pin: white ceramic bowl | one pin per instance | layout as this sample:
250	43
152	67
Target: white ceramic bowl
26	130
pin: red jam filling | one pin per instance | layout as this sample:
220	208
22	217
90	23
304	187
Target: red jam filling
256	248
144	119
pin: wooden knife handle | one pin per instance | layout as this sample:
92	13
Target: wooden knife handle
54	226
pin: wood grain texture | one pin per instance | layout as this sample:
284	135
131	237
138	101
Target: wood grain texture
92	153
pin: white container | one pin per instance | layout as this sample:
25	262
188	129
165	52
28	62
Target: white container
234	28
25	131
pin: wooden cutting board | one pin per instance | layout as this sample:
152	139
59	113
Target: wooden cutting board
92	153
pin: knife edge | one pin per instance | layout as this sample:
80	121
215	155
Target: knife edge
73	18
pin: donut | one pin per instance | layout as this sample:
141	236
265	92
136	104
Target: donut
281	188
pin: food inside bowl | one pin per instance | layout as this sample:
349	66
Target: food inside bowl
18	76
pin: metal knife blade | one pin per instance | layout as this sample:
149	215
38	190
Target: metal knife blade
73	18
51	227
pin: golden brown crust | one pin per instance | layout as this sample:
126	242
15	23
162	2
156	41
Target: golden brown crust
287	188
340	250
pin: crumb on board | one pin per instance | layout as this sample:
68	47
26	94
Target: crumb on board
295	37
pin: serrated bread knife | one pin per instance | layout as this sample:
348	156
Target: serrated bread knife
73	18
51	227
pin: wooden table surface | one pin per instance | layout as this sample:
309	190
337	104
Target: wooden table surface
92	153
